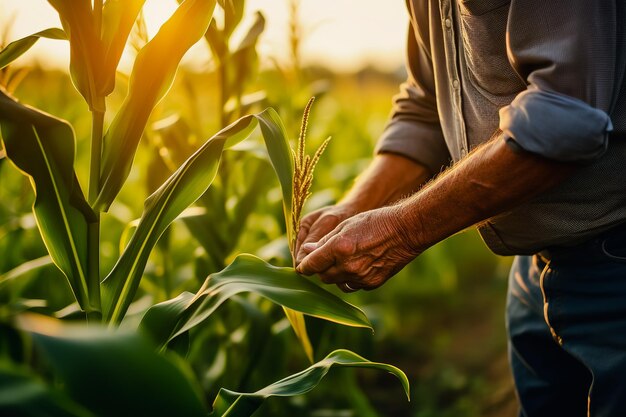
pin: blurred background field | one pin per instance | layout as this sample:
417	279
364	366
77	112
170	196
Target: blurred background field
441	319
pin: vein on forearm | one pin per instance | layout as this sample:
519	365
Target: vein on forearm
489	181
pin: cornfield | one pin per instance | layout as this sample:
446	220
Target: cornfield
147	229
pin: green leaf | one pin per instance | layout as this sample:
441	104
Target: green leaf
217	229
114	373
24	269
16	48
277	143
86	56
244	58
260	181
42	147
23	394
151	78
281	158
160	319
118	18
168	320
282	286
279	151
236	404
184	187
210	230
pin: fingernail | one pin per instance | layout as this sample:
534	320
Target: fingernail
309	247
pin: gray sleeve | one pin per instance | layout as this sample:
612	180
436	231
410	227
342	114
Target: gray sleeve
413	129
565	50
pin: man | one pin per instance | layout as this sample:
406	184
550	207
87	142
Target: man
527	100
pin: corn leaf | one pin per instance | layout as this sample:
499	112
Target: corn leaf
42	147
262	179
218	230
298	323
248	273
24	269
151	78
236	404
160	320
184	187
280	155
210	232
118	18
252	35
279	152
16	48
217	44
233	13
277	144
281	285
85	48
244	57
114	373
23	394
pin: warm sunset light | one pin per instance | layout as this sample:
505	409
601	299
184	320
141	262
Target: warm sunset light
341	34
320	208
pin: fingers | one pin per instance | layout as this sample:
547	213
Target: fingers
310	247
345	282
333	275
305	225
318	260
331	262
324	224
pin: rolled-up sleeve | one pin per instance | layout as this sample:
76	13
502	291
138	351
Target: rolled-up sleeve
565	50
414	130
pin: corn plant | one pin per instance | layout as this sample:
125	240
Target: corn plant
42	147
235	67
175	138
234	64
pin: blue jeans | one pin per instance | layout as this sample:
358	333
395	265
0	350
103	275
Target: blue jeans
566	323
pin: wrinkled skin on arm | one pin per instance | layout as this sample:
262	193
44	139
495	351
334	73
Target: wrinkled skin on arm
365	250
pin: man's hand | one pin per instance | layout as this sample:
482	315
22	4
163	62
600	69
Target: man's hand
367	249
363	251
388	178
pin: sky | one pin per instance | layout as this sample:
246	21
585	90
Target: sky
344	35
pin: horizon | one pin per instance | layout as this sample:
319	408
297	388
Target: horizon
337	36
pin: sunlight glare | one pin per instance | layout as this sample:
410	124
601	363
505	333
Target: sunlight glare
343	35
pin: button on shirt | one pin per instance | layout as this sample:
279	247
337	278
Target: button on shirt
546	77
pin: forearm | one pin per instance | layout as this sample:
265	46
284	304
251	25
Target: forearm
388	178
489	181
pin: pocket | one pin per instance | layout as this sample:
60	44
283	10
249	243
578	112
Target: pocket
483	29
